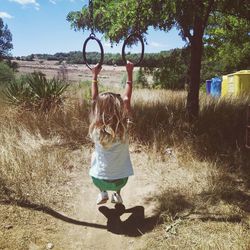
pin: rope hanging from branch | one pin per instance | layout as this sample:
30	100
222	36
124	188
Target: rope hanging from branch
134	36
92	36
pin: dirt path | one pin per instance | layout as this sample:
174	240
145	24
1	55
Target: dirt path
76	223
85	209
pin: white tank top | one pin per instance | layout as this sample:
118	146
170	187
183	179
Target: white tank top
111	163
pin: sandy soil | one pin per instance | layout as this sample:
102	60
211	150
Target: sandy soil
82	224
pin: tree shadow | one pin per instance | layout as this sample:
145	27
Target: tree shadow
173	205
172	202
240	198
215	217
218	135
226	188
134	226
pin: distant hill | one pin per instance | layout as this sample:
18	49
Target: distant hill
75	57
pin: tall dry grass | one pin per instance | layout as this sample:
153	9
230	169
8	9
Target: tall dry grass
160	124
35	153
217	135
29	165
202	168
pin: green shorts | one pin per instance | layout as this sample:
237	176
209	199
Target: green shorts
112	185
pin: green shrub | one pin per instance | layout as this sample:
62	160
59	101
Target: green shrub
140	78
36	92
6	74
18	92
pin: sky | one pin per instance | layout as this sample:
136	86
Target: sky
40	26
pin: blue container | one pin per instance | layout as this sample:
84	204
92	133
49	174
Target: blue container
208	86
215	90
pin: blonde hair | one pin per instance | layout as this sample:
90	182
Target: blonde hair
108	119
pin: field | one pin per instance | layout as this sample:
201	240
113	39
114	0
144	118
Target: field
73	72
190	189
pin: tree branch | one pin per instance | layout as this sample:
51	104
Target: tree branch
187	33
209	9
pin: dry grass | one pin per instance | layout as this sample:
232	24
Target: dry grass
110	76
29	169
202	169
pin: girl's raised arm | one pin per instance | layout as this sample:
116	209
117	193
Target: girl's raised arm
128	87
94	89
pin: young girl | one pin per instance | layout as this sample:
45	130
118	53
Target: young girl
110	164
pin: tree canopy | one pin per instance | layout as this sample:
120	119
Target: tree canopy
116	19
5	39
227	41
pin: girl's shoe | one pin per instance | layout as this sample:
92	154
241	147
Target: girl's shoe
102	198
116	198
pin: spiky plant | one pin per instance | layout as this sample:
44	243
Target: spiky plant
18	93
47	93
36	92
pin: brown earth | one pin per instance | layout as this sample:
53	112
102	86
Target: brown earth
79	224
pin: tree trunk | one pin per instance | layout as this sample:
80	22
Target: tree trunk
195	68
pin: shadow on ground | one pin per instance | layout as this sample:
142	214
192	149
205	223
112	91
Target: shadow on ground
45	209
172	203
229	189
218	135
174	206
135	225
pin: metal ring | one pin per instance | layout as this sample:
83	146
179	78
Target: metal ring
139	37
92	37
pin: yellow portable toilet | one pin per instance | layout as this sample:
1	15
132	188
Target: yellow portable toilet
238	83
224	86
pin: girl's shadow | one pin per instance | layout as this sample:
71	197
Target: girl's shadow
135	225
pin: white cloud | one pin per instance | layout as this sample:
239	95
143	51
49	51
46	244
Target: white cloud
5	15
26	2
156	45
23	2
56	1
